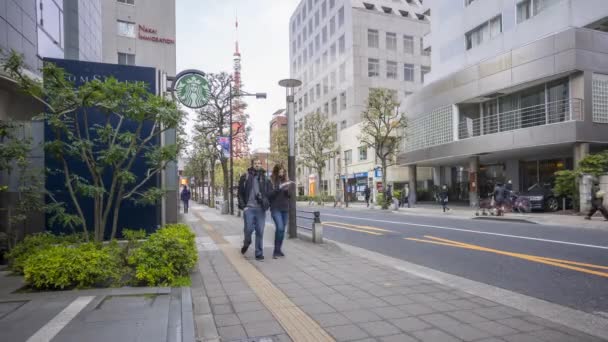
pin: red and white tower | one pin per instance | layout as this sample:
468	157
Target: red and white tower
239	120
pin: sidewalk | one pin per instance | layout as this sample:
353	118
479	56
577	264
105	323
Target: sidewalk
326	293
462	212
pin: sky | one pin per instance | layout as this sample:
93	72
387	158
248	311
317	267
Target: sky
205	41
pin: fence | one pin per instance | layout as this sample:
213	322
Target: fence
543	114
312	222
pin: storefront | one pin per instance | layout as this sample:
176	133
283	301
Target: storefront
355	186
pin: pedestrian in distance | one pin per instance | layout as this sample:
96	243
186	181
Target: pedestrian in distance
404	196
443	198
279	206
367	194
499	198
185	197
254	189
597	199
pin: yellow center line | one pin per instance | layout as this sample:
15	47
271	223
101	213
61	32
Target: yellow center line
548	261
335	225
359	227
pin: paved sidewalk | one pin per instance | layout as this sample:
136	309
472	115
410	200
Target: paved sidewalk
463	212
322	289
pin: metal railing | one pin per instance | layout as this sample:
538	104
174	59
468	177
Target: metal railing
539	115
313	220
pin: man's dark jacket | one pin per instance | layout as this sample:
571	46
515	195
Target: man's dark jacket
246	186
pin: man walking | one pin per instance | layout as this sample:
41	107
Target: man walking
443	198
253	192
185	197
367	194
597	199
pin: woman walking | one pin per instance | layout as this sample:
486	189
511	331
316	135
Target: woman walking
279	206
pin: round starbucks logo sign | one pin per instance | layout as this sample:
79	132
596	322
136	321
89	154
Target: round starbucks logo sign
191	89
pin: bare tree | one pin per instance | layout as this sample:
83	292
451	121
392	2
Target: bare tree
382	128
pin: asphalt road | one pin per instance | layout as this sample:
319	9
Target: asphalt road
562	265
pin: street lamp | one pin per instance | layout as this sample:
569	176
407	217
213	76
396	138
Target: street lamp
240	94
289	85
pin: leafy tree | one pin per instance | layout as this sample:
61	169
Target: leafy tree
279	147
133	121
214	121
382	128
566	180
315	137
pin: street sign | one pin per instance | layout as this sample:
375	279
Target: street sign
191	89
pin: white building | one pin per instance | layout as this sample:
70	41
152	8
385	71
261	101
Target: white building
519	90
140	32
342	48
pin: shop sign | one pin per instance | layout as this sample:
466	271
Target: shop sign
149	33
378	173
379	186
361	175
191	89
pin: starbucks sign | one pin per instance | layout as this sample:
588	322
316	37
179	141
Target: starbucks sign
191	88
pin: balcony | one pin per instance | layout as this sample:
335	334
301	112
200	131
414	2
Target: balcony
539	115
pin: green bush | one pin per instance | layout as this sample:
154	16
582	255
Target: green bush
63	266
328	198
565	183
166	257
28	247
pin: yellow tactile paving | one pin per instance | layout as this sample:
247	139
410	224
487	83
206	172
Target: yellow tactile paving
297	324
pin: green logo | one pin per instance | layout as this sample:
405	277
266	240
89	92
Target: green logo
192	89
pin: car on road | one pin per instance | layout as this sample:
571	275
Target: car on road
542	197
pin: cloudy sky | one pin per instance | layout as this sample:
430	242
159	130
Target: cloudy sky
205	41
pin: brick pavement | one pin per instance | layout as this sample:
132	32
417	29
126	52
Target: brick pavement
348	297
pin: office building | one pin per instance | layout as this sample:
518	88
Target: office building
340	49
518	90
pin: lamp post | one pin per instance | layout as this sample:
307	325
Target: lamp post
289	85
240	94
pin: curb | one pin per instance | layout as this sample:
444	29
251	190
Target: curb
504	219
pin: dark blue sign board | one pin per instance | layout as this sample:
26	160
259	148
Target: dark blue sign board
132	215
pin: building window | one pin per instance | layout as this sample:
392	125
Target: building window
305	100
468	2
126	58
373	38
341	45
332	26
333	80
310	28
342	72
408	44
423	51
529	8
341	17
318	88
334	106
312	95
318	42
403	13
326	108
373	67
332	4
484	32
317	17
325	60
324	9
126	29
324	34
370	7
130	2
348	155
391	70
325	85
407	93
311	50
363	153
387	10
423	71
600	98
408	72
332	52
343	100
391	41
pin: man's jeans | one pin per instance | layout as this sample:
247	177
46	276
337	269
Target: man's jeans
255	219
186	203
280	220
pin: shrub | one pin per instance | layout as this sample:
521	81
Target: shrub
565	183
328	198
28	247
166	257
63	266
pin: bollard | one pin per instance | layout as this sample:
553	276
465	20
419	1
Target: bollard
317	228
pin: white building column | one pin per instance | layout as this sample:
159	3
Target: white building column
455	121
437	178
581	150
412	182
474	181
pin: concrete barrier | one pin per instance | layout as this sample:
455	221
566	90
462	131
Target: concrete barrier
604	187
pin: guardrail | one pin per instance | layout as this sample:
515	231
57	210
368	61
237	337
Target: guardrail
314	220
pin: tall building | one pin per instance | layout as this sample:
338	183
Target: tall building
519	90
239	118
340	49
37	29
140	32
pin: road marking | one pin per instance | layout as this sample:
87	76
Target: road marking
358	228
473	231
54	326
567	264
332	224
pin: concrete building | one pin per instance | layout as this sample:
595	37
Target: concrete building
518	90
342	48
142	33
277	124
